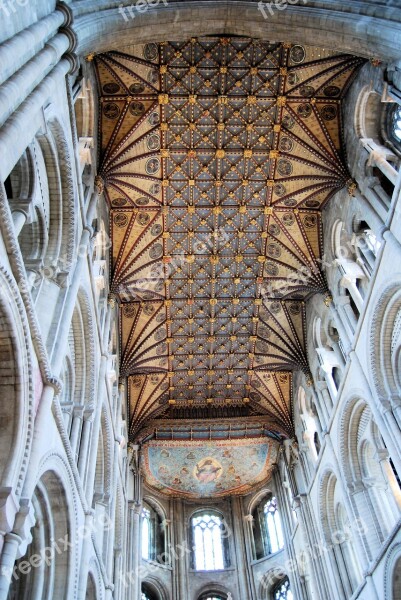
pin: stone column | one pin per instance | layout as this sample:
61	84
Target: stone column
16	88
77	418
20	129
369	214
85	442
238	545
7	560
87	546
17	50
180	566
379	159
306	521
134	558
345	340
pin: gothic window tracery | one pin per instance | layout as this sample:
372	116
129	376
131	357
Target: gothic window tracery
210	551
153	542
267	529
282	590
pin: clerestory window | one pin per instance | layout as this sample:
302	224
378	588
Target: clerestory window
208	542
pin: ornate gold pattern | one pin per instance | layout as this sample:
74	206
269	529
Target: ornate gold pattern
217	156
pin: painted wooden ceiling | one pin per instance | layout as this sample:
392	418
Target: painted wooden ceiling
217	156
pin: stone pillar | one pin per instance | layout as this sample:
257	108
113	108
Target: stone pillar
345	340
92	453
180	567
85	442
86	543
76	429
369	213
20	129
17	50
379	159
7	560
16	88
306	520
134	557
238	541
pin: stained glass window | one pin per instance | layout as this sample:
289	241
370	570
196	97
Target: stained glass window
283	591
207	542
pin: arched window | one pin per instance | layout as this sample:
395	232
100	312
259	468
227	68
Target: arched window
146	534
282	590
267	530
274	536
396	124
147	593
152	535
210	551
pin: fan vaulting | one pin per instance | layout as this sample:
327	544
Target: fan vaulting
217	156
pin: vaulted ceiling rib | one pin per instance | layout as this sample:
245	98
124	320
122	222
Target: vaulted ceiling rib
217	156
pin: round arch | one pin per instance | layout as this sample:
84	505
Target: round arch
392	573
53	510
334	26
17	385
385	324
155	587
210	589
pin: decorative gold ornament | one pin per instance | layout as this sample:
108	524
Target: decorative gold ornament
352	186
163	98
99	185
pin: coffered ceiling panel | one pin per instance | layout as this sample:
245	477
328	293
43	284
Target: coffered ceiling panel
217	156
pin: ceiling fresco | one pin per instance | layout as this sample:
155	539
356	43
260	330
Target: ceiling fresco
208	469
216	157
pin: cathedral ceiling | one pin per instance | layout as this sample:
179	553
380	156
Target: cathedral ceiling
217	156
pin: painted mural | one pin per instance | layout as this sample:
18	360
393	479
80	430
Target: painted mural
206	469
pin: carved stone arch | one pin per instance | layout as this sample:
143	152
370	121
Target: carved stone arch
268	581
368	112
119	520
386	314
156	505
328	481
17	386
391	568
69	205
53	475
156	587
95	581
210	589
348	437
257	499
52	209
108	31
107	435
89	332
